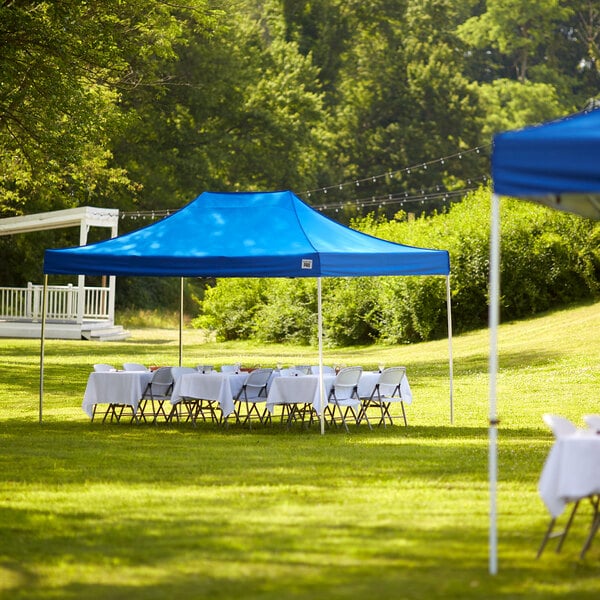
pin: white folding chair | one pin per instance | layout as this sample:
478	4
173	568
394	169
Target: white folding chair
187	403
385	391
303	369
560	426
253	392
103	368
205	368
343	397
157	392
130	366
231	368
315	370
593	422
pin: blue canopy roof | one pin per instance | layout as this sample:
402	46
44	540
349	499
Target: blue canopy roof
265	234
557	163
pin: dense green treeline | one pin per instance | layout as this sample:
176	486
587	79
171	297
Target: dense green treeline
548	259
358	106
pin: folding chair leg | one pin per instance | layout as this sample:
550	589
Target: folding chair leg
546	537
403	414
358	419
594	527
562	534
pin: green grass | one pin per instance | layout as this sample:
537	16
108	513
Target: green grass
91	510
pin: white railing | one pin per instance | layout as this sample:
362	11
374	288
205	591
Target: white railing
62	303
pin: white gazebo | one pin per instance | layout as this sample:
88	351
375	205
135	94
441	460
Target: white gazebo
73	311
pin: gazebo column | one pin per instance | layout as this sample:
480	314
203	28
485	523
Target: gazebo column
112	285
83	233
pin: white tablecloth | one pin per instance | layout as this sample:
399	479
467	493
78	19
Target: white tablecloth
304	389
115	387
367	382
571	471
301	389
220	387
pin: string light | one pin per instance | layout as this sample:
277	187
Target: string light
390	174
388	199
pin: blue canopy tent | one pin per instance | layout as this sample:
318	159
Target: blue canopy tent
556	164
266	234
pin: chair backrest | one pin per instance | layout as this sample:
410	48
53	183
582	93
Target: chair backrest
256	384
162	380
103	368
346	383
593	422
390	379
258	377
560	426
326	370
130	366
348	376
304	369
177	372
295	371
205	368
230	368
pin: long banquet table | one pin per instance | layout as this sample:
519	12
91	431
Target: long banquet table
304	389
115	387
215	386
571	471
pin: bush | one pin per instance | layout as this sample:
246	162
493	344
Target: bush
289	312
229	308
548	259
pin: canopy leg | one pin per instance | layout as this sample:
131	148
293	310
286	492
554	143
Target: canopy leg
42	339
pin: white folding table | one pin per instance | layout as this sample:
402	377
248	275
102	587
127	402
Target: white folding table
115	388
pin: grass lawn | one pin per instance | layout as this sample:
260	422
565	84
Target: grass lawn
92	510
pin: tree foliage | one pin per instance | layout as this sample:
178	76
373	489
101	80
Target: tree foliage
143	104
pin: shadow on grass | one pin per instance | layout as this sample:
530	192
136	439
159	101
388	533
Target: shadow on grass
197	554
213	455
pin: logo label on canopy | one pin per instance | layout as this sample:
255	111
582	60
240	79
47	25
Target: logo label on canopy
307	263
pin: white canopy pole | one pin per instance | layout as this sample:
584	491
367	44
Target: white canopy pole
180	321
451	360
42	338
494	317
320	335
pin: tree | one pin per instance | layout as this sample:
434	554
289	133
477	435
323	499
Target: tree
519	29
63	67
243	110
402	101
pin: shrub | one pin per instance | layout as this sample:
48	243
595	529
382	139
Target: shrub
548	258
